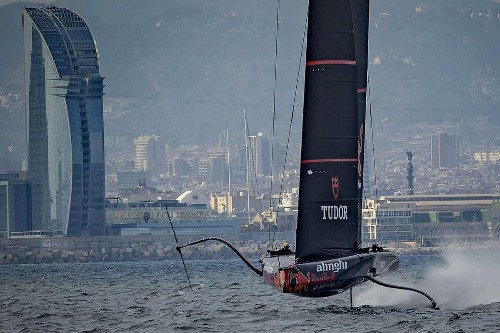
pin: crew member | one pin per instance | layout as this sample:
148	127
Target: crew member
284	250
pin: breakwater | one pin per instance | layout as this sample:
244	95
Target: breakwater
158	248
116	249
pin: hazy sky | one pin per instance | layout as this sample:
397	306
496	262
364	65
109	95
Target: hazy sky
202	62
6	2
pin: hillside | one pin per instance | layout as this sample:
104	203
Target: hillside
186	69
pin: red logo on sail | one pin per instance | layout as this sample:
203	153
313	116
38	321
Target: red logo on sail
335	187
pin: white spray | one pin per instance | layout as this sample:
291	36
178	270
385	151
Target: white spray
464	279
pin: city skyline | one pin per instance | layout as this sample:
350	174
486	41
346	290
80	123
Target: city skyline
125	116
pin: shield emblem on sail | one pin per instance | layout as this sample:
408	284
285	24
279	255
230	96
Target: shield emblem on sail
335	187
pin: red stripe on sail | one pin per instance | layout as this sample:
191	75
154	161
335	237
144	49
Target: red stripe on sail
362	90
331	62
326	160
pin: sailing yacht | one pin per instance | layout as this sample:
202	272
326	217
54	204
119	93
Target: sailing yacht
328	258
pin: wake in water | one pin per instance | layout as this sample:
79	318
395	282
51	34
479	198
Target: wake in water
465	279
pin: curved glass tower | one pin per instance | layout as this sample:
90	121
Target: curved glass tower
65	122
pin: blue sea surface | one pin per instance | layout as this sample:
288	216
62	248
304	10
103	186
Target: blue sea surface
228	297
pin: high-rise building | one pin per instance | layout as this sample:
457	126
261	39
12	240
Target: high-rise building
180	167
263	154
259	154
251	157
64	107
219	170
204	167
279	159
147	153
444	151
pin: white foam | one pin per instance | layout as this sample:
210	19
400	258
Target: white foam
464	280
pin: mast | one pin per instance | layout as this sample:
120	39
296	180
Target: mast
228	162
247	156
228	169
331	173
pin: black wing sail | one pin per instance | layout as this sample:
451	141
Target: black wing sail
329	219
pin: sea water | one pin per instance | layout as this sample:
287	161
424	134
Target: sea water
228	297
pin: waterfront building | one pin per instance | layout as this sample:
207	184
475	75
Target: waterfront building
387	223
444	151
432	219
64	107
143	193
15	205
189	214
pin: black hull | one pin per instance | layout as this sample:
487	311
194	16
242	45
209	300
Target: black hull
323	278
